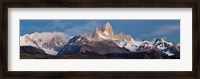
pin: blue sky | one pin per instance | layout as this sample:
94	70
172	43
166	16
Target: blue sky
138	29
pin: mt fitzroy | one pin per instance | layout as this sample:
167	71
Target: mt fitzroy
100	43
105	42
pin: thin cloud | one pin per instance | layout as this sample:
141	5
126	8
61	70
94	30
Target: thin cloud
88	28
166	30
60	23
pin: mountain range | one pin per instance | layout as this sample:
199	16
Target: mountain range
103	43
47	41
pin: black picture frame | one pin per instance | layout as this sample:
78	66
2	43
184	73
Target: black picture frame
194	4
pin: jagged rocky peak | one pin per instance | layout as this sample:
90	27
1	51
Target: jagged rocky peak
107	34
120	36
97	30
123	37
107	29
104	34
128	37
85	35
162	41
88	37
96	33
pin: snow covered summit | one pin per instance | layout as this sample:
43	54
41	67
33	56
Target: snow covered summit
50	42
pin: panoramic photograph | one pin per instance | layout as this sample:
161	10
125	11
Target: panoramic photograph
99	39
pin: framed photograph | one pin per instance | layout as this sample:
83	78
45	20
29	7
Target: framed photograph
129	39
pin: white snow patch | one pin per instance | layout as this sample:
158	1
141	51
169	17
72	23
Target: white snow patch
131	45
161	47
50	51
26	42
103	37
170	43
121	44
105	32
78	40
169	53
133	48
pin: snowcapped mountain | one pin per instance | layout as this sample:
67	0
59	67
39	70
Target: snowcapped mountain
121	39
103	42
83	46
50	42
167	48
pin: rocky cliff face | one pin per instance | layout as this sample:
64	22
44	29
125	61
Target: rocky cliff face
107	30
107	34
